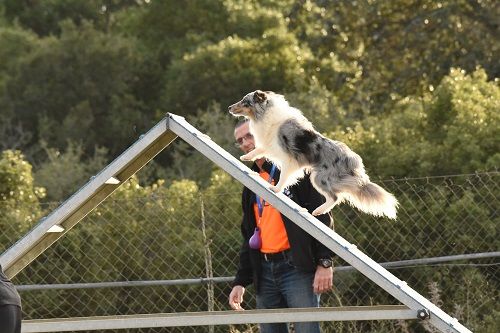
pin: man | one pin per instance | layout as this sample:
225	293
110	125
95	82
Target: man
290	268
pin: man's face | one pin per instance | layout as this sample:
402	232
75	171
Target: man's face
243	138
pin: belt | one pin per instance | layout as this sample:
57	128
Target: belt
275	256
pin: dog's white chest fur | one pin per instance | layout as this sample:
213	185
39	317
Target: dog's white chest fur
265	133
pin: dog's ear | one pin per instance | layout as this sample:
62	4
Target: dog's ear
259	96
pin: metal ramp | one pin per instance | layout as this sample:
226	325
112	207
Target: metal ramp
69	213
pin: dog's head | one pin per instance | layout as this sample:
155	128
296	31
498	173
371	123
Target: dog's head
253	105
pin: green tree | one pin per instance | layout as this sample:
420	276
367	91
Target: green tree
79	87
44	17
231	68
398	47
452	130
462	120
15	44
169	29
63	173
19	207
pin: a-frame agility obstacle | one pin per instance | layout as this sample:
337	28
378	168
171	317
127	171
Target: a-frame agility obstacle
69	213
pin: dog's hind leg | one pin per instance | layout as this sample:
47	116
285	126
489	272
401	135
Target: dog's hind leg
320	180
327	206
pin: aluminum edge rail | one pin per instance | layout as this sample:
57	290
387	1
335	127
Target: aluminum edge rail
76	207
347	251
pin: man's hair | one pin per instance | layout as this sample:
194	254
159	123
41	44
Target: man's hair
241	122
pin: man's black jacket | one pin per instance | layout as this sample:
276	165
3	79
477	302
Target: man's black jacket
305	249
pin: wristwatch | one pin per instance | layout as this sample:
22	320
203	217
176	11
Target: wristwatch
326	263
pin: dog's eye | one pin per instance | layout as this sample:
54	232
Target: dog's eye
246	103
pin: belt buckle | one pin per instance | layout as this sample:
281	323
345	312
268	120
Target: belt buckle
274	256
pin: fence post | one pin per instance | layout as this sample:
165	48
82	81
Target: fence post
208	264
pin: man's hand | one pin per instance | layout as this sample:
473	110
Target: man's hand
236	297
323	279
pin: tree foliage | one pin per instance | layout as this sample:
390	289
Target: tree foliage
19	197
233	67
79	87
71	173
448	131
102	72
44	17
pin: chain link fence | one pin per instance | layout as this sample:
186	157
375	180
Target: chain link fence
158	252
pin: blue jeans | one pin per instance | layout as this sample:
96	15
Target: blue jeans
281	285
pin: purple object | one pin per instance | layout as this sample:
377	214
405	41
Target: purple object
255	241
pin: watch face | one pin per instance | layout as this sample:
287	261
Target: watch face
326	263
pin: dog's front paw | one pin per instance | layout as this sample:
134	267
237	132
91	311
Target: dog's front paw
254	173
245	158
275	189
317	212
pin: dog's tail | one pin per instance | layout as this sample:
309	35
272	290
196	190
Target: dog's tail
373	199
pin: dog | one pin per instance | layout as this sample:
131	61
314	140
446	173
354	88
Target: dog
284	136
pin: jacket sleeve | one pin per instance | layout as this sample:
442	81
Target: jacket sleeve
244	275
314	200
